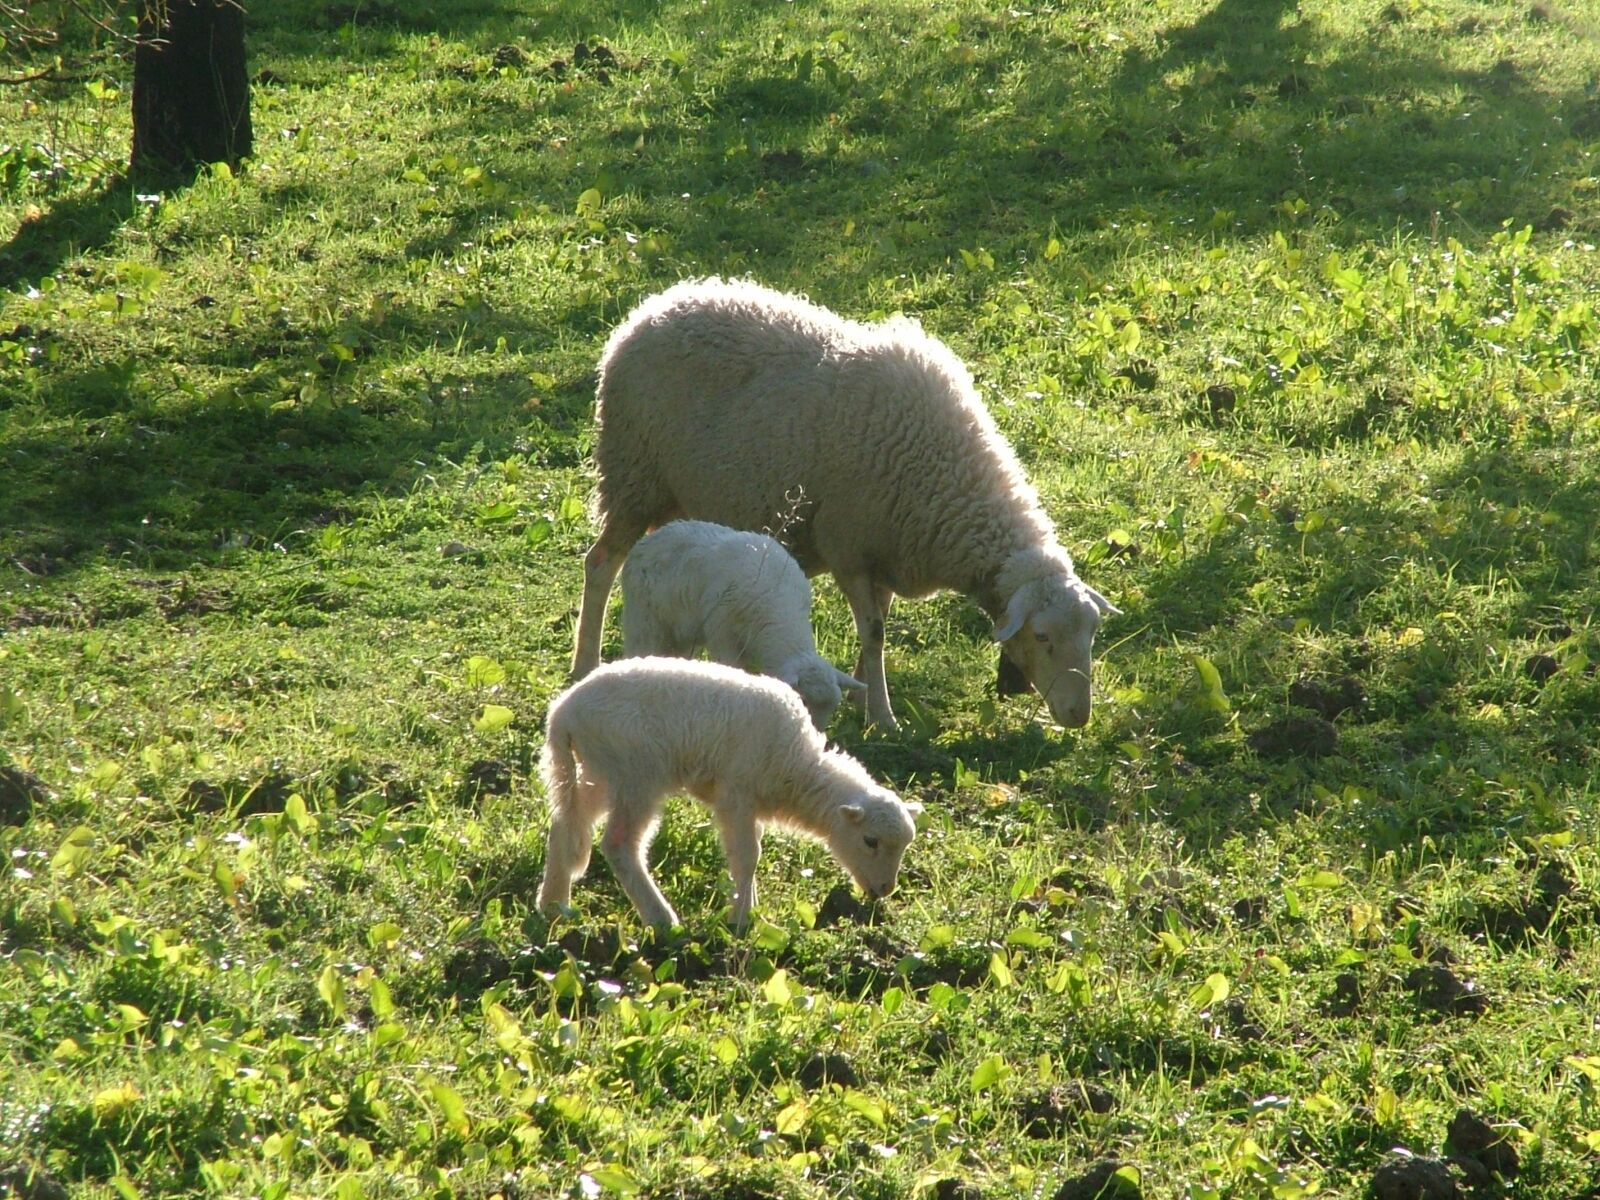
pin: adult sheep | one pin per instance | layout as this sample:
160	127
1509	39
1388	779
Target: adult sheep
864	448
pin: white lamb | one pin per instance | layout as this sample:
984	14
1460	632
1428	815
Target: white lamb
866	445
632	732
739	595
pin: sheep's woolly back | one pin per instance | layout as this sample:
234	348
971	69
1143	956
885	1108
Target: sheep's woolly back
862	447
693	584
650	725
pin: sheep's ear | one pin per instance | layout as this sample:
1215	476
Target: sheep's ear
853	813
1016	617
848	682
1105	606
914	807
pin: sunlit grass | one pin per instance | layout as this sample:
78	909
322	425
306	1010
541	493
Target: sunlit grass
1289	312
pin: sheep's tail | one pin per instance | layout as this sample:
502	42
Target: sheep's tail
571	823
558	766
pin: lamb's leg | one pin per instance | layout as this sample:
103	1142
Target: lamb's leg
600	567
869	606
625	843
566	858
741	842
577	802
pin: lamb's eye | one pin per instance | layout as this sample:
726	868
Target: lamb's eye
872	842
1041	637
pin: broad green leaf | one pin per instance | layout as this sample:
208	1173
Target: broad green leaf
988	1073
776	989
112	1100
451	1105
492	718
1214	990
614	1177
1000	970
382	999
74	851
792	1118
330	986
484	672
860	1102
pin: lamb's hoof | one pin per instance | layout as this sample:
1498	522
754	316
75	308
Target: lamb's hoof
885	723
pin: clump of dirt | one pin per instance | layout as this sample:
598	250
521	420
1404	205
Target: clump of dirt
1541	668
1049	1112
27	1181
956	1189
1551	904
486	777
203	796
1471	1137
1408	1177
1295	735
1100	1182
1220	399
1438	988
19	791
840	907
822	1069
1328	698
1250	911
1346	997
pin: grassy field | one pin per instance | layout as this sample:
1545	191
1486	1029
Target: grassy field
1290	312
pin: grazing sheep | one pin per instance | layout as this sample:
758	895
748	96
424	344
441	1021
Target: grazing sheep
739	595
632	732
865	447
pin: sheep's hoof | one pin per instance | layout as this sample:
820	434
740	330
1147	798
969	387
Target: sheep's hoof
884	724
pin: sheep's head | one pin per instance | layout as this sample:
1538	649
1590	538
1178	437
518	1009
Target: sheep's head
869	836
1048	632
820	684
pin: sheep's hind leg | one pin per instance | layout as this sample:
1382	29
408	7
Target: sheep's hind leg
600	567
869	604
570	841
625	844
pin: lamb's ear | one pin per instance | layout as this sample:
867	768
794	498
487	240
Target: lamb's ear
914	807
848	682
1016	616
852	813
1105	606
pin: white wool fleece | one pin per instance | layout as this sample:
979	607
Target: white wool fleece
633	732
739	595
864	447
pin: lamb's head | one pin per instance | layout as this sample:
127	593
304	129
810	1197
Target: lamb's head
1048	632
869	835
820	684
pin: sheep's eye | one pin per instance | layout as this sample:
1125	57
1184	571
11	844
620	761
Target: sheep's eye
1041	637
872	842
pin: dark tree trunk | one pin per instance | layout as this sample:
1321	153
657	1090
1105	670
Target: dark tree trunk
191	95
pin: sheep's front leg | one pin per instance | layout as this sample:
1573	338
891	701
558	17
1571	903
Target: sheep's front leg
741	842
625	843
869	605
600	567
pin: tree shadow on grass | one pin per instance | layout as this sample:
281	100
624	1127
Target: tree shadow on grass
68	227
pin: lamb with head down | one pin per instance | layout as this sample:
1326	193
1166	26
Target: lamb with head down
632	732
737	594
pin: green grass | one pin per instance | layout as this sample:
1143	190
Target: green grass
1290	312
